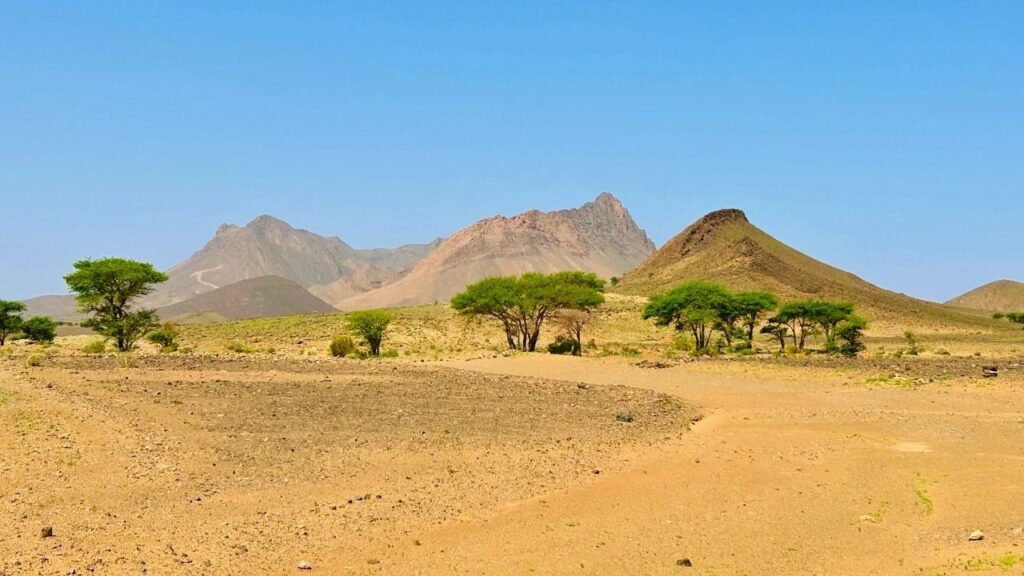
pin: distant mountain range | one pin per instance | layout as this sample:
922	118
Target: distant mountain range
268	268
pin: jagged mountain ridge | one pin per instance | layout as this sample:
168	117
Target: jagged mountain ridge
267	246
599	237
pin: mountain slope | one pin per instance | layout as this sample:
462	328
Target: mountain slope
266	296
998	296
62	308
599	237
724	246
268	246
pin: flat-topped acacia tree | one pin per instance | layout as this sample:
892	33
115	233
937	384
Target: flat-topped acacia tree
523	303
107	289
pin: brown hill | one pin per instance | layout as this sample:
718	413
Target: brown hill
724	246
62	308
268	246
599	237
266	296
998	296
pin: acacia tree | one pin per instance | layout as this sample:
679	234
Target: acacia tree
799	317
108	290
10	318
695	306
523	303
750	306
372	326
778	330
850	331
828	315
572	322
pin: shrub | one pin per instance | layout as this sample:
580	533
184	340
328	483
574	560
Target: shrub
239	348
941	352
998	315
683	343
850	332
793	350
39	329
564	345
166	337
342	346
912	349
35	360
372	326
389	353
95	347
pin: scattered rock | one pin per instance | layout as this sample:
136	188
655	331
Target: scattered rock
624	417
598	470
976	536
989	371
305	565
684	562
46	532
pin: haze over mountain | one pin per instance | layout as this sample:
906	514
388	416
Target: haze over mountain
326	266
724	246
265	296
998	296
599	237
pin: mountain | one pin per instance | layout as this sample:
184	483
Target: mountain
61	308
998	296
599	237
265	296
724	246
270	247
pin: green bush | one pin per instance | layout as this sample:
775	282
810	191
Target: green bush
166	337
95	347
35	360
564	345
342	346
912	349
683	343
998	315
389	353
39	329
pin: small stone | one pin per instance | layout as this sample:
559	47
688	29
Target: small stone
624	417
598	470
46	532
305	565
976	536
684	562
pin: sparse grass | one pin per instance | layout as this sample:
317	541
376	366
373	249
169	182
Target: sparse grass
239	348
923	497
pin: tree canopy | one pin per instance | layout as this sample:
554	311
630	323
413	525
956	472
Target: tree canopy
40	329
10	318
107	290
695	306
372	326
523	303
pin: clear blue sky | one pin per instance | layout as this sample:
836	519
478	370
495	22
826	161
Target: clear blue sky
886	138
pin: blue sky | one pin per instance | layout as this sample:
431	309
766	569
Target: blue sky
886	138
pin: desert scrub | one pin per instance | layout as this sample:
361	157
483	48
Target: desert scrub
95	347
342	346
389	353
922	495
239	348
35	360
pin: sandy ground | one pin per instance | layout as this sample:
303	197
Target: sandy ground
184	465
488	467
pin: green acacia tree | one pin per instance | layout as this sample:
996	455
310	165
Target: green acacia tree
696	306
800	318
523	303
750	306
10	318
107	289
828	315
850	333
372	326
40	329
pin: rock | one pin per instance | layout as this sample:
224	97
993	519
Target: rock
976	536
46	532
684	562
989	371
598	470
624	417
305	565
